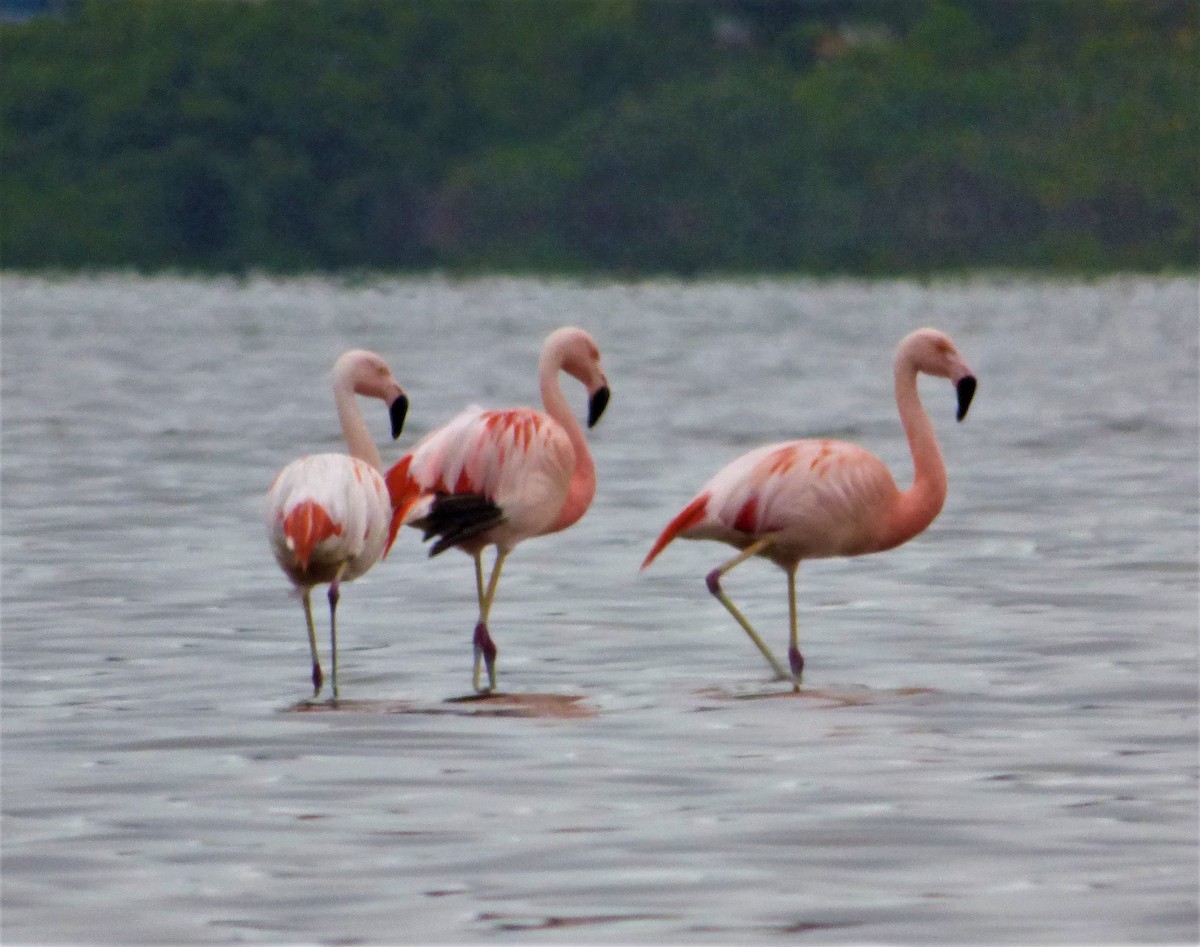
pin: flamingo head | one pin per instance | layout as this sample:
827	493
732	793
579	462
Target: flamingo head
934	353
575	352
368	375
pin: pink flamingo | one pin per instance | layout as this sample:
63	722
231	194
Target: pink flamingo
811	499
495	478
327	515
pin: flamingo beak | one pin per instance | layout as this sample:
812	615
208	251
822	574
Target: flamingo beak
596	405
966	391
398	409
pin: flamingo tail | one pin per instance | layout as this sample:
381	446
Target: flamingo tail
691	514
404	493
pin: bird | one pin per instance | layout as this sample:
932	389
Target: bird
327	515
498	477
820	498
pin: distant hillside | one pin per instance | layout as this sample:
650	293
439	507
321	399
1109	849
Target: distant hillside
625	136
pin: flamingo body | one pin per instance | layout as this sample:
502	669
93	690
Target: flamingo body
817	498
498	477
327	515
519	460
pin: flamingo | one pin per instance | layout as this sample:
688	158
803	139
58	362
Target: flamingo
497	477
327	515
818	498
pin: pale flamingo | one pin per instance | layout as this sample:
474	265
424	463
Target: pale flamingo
811	499
327	515
495	478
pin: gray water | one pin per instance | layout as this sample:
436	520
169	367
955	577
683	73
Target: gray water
998	737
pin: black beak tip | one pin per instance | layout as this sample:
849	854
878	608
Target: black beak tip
597	404
966	391
398	410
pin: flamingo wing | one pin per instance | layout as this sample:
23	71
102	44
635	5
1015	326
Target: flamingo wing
820	497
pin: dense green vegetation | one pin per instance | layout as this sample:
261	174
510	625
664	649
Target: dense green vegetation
631	136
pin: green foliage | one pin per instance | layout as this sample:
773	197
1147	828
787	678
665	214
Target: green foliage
623	135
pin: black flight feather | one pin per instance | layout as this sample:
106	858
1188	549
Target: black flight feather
456	517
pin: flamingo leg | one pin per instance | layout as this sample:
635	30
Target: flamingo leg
713	580
481	633
335	595
317	677
493	582
795	658
485	648
478	557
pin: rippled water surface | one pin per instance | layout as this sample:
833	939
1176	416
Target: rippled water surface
998	737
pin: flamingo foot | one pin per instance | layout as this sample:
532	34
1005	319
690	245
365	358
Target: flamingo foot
485	651
317	678
796	660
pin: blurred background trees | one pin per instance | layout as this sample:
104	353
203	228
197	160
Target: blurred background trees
624	136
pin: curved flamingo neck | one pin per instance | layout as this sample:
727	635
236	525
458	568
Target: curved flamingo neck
583	479
918	505
358	438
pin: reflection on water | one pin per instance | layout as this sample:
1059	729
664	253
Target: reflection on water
997	741
537	706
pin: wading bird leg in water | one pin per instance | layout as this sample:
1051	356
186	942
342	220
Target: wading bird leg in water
317	677
795	658
334	597
485	648
485	651
713	580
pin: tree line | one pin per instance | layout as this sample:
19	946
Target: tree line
621	136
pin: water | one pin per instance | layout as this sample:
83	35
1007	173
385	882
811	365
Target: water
998	743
